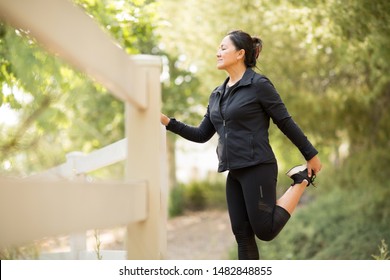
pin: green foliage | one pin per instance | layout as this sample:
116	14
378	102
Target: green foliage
96	235
364	27
180	99
180	90
383	252
197	195
58	108
176	201
365	168
30	252
131	23
326	58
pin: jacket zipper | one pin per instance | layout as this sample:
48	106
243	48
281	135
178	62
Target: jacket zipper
226	136
224	123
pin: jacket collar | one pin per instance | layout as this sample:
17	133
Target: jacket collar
246	79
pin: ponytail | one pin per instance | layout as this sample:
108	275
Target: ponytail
257	47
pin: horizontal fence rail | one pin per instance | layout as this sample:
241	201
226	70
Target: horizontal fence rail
36	209
78	163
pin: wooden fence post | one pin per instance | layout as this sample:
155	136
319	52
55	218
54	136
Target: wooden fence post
77	241
147	239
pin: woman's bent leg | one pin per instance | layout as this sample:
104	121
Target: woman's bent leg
290	199
259	193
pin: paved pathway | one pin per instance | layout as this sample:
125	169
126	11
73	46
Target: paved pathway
200	236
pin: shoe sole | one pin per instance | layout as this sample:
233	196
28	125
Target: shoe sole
296	169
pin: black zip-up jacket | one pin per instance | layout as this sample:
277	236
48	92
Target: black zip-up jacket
243	126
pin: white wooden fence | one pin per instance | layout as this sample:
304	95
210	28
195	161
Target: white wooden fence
39	206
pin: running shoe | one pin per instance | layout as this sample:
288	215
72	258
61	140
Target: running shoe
299	173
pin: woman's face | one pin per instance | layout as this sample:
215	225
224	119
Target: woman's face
227	55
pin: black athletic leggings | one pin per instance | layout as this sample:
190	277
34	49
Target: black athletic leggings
251	199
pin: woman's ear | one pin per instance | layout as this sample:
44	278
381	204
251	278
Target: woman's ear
241	54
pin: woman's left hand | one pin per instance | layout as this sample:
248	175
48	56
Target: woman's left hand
314	165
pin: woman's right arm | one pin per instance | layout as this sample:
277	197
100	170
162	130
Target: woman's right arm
164	119
199	134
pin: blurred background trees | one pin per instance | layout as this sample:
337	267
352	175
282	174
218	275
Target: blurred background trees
328	60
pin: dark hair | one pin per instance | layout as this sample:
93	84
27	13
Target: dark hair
251	44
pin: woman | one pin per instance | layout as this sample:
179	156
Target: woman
239	111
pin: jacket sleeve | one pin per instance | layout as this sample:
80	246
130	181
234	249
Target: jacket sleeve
199	134
295	134
275	108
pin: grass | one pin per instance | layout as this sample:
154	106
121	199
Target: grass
383	252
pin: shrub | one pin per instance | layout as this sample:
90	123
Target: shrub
197	196
176	201
383	252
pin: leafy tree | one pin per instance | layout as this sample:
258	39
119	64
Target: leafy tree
60	109
329	61
366	27
180	94
289	57
326	58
